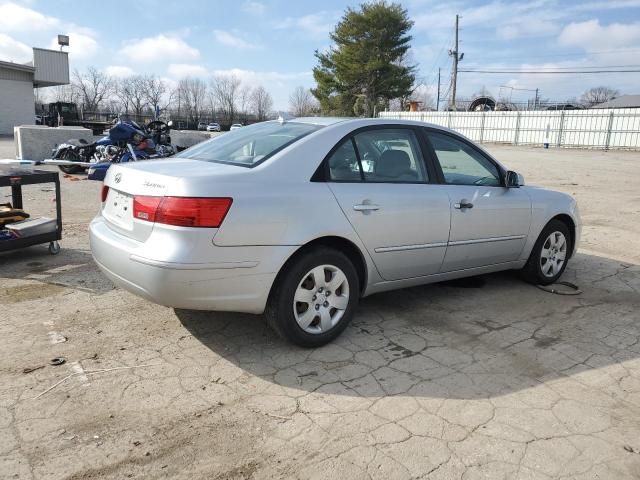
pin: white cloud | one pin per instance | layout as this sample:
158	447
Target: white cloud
590	35
14	51
527	26
16	18
253	77
254	8
181	70
233	40
160	47
81	46
119	71
509	19
606	5
316	25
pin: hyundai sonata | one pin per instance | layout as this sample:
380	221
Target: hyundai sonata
300	219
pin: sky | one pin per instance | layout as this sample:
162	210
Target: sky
272	42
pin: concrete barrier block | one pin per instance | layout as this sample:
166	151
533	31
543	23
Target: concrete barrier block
34	142
189	138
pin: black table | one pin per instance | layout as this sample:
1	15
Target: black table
15	178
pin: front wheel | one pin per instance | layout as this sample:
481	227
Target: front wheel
314	298
549	255
70	169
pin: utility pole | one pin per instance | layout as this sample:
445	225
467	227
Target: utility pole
438	101
456	58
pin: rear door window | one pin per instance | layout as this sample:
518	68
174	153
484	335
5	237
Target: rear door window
343	163
391	155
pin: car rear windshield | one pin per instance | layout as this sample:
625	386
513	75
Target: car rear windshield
250	145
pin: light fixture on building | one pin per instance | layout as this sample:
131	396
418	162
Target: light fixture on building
63	41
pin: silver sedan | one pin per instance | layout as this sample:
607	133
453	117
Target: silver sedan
300	219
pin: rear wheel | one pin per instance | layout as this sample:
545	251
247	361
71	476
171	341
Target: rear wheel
314	298
549	255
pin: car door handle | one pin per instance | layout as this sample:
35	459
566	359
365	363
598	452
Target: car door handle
463	204
365	207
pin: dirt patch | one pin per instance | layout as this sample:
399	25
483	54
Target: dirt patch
32	291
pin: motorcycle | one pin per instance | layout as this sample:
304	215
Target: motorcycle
126	141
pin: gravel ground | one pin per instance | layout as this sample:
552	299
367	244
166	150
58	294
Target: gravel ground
482	378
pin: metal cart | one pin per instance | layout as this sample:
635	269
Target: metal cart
16	178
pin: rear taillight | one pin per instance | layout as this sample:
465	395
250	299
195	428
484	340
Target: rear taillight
182	211
104	192
145	208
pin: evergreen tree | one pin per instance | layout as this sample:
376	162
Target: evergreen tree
367	63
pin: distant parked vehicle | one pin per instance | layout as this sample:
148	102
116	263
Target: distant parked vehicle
66	114
213	127
236	126
202	126
301	219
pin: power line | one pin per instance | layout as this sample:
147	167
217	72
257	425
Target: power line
582	54
599	67
549	72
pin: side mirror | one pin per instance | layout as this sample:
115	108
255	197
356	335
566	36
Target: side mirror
513	179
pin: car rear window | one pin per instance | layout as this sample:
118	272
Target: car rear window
248	146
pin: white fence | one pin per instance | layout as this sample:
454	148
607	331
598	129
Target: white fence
607	128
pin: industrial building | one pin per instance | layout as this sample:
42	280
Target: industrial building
623	101
17	81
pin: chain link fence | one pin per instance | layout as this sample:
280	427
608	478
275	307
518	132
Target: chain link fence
600	129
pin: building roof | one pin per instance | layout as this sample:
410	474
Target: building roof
623	101
17	66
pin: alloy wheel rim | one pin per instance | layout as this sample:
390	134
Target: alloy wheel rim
553	254
321	298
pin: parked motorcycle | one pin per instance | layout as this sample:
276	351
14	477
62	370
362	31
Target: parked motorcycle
126	141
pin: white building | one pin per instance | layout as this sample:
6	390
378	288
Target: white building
17	81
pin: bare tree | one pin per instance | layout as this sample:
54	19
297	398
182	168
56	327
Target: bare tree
192	94
225	91
211	103
155	89
120	99
302	102
423	96
244	97
93	87
135	87
261	103
596	95
62	93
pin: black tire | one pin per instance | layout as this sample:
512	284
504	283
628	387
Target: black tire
532	271
279	311
71	169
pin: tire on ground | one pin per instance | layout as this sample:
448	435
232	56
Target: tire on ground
279	311
532	271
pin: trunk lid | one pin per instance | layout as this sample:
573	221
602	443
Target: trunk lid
159	178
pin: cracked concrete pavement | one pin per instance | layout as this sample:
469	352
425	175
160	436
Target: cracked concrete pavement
481	378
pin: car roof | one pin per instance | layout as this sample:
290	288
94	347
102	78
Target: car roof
328	121
324	121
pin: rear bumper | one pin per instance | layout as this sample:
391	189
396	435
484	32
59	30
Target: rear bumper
238	286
